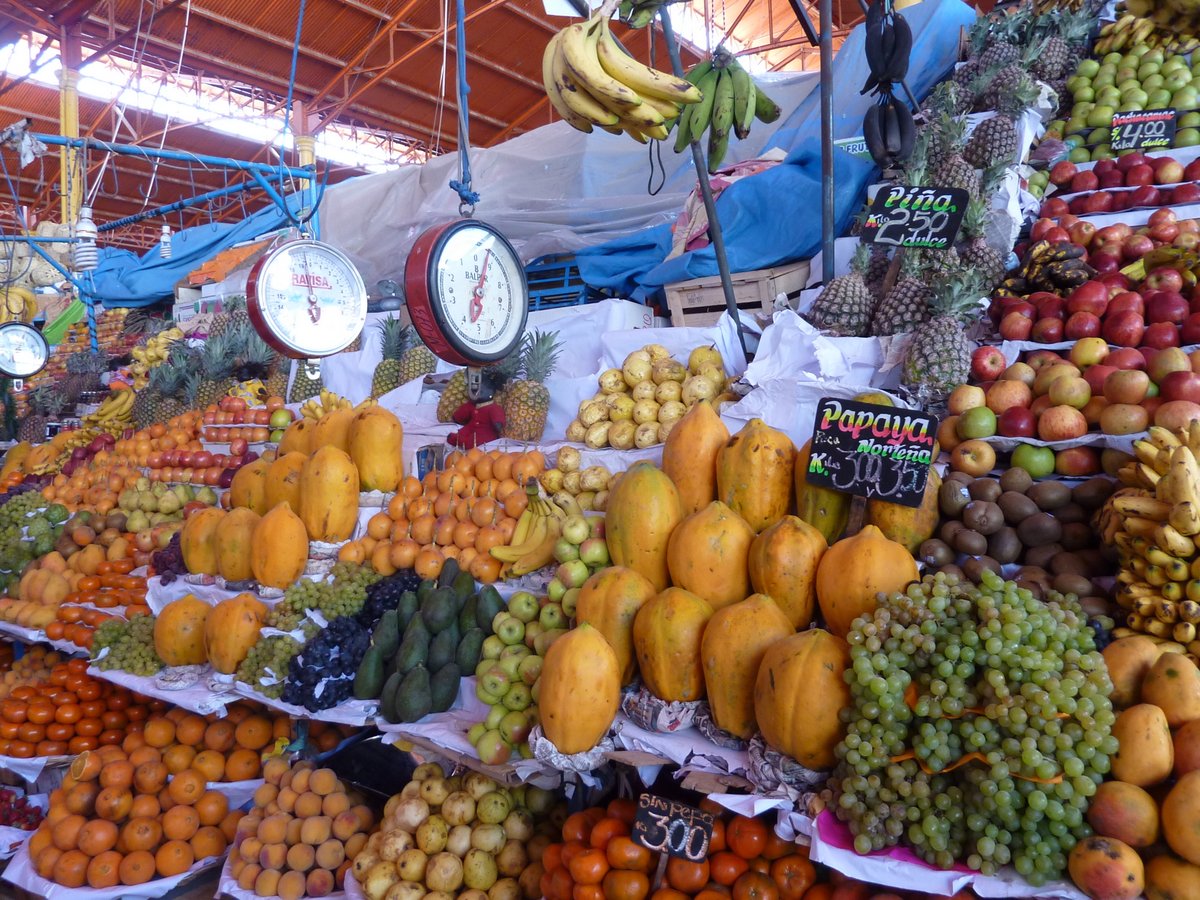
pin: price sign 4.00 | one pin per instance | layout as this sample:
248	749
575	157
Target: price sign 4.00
926	217
667	826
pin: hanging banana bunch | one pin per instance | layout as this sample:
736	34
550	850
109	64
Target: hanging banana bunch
888	127
731	102
17	304
592	82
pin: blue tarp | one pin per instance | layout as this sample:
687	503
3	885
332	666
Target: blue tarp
774	217
125	279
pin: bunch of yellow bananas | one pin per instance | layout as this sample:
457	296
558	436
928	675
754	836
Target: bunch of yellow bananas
532	546
154	354
114	414
315	407
1144	24
17	304
1154	524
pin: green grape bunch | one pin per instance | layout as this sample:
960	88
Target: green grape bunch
979	728
274	653
343	595
130	646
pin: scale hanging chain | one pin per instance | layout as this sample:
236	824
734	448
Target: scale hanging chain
467	197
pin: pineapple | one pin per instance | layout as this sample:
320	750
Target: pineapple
392	343
215	368
906	305
277	380
994	140
42	401
526	401
417	359
877	268
939	357
975	252
233	315
948	167
845	306
255	364
308	381
454	395
1068	31
158	400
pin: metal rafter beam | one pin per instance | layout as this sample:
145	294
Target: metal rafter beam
519	121
382	36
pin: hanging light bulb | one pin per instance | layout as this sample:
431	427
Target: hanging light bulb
84	253
164	242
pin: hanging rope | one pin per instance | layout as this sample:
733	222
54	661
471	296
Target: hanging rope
287	110
467	197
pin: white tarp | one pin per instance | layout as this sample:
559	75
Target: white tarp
551	190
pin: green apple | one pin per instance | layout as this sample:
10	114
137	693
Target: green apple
1173	64
1101	117
1080	155
1154	55
1130	107
1153	82
979	422
1177	80
1137	96
1089	67
1108	96
1037	461
1190	120
1084	95
1159	98
1099	136
1141	50
1148	69
1187	137
1104	79
1103	151
1075	125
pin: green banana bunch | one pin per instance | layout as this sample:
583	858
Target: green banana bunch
730	101
639	13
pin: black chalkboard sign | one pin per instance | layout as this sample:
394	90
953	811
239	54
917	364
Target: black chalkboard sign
877	452
1146	129
667	826
926	217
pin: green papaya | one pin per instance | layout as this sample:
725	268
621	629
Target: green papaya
450	571
466	616
470	649
389	695
386	636
414	648
413	698
443	687
488	603
405	610
443	647
368	680
439	610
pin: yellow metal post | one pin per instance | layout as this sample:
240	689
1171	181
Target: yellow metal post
71	172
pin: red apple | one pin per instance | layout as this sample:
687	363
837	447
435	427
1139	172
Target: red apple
1163	278
1039	228
1021	307
1062	172
1126	386
1162	217
1191	172
238	447
1126	301
1180	386
1167	171
1121	200
1116	282
1077	461
1126	358
1015	327
1135	247
1058	234
1089	297
1146	195
1194	356
1017	422
1049	306
1022	372
987	363
1115	233
1043	359
1081	325
1166	306
1112	179
1176	414
1163	362
1040	405
1125	329
1189	331
1165	233
1185	194
1054	207
1160	335
1104	263
1129	160
1099	202
1086	180
1137	176
1062	423
1187	226
1187	240
1095	376
1004	395
1047	331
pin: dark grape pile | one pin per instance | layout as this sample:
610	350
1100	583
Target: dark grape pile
168	562
385	594
321	675
995	672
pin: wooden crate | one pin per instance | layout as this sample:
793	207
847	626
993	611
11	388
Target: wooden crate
701	301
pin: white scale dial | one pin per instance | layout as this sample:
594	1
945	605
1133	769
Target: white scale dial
481	294
23	350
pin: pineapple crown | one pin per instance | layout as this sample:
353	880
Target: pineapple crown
861	261
539	355
509	367
956	294
976	218
256	359
394	338
217	358
43	400
915	167
87	363
1024	95
943	102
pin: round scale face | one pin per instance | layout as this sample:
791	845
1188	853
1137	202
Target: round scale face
23	350
466	292
307	299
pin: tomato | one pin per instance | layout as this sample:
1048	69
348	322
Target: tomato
760	864
621	885
576	828
852	890
687	876
60	675
111	736
624	854
114	720
13	711
777	847
20	750
78	667
51	748
64	698
56	731
727	867
714	892
8	730
40	712
561	885
89	727
136	713
587	892
794	875
669	894
92	709
68	714
605	830
755	886
89	583
31	733
56	630
624	809
552	857
118	700
746	837
80	742
572	849
588	867
717	843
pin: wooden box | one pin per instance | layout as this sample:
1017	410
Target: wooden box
700	302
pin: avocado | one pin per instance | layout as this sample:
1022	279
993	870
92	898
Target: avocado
387	697
405	610
466	615
439	610
470	649
450	571
386	636
487	604
413	698
368	680
414	648
443	687
443	647
425	588
464	587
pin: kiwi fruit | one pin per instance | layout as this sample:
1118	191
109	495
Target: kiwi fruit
1039	529
1039	557
1049	495
953	570
1016	479
1076	536
1094	606
935	553
972	543
1004	546
1072	512
985	489
974	567
1034	587
1068	564
1016	507
952	497
1093	492
949	530
1070	583
1095	560
960	477
983	516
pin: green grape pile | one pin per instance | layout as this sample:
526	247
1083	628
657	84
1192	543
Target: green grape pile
130	646
274	653
948	669
29	527
343	595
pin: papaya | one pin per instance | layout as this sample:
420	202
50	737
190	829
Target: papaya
754	474
179	632
666	638
376	444
297	438
283	480
825	509
734	643
707	555
198	541
783	563
279	548
248	489
690	455
329	495
642	511
1168	878
1173	685
854	570
15	458
906	525
231	629
234	534
609	601
579	689
332	430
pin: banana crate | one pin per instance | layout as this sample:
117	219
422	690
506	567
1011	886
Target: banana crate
701	301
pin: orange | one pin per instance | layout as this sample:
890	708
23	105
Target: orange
117	774
686	876
187	786
219	735
45	861
208	841
86	767
137	868
174	857
97	836
114	804
141	833
212	808
145	805
211	764
755	886
746	837
150	777
180	822
179	757
71	869
229	825
190	730
41	839
145	754
159	731
104	871
242	765
81	799
66	832
253	732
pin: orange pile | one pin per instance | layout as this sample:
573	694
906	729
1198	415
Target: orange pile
30	670
179	433
302	834
69	713
37	600
121	818
96	486
222	749
460	513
